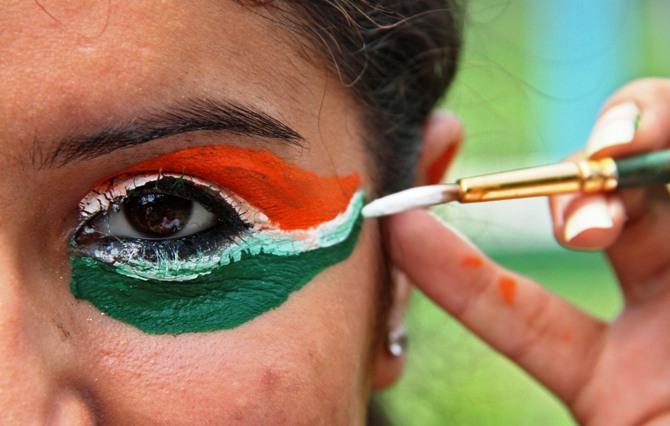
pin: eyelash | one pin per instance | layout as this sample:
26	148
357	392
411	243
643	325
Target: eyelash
169	259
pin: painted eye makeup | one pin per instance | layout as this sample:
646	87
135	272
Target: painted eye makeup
209	238
163	209
160	226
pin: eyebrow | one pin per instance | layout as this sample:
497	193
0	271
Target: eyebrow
194	114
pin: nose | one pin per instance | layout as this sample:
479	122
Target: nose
34	384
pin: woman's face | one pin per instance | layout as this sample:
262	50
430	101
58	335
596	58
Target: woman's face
219	100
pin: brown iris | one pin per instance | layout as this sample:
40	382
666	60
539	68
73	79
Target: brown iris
157	215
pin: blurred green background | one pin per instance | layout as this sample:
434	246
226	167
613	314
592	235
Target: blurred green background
533	76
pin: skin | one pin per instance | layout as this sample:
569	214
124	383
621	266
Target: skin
72	67
607	373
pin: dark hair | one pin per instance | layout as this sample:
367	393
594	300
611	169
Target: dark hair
397	56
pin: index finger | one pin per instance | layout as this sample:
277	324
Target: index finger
519	318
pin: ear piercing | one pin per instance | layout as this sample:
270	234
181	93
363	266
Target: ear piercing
396	343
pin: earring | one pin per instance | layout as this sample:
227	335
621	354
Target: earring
396	344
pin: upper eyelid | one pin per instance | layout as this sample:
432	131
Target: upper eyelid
274	191
103	198
292	197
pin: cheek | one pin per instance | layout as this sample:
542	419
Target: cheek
298	364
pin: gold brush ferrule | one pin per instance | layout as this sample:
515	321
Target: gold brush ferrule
582	176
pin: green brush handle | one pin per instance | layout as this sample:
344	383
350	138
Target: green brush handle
644	170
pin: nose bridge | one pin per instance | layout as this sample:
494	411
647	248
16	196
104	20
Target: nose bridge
24	384
35	360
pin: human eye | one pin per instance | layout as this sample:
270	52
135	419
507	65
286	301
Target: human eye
163	227
181	244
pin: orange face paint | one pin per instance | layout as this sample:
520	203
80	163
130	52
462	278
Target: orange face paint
291	197
437	169
507	288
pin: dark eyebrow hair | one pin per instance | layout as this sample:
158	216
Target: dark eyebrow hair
195	114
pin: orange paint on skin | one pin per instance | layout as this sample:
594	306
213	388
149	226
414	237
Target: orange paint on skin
439	166
474	262
567	336
507	287
291	197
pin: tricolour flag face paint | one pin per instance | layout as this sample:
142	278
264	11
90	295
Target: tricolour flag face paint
255	229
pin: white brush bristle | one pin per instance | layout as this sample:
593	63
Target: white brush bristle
409	199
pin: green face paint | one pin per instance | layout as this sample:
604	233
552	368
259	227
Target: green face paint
208	281
226	298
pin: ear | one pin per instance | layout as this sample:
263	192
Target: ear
442	138
387	367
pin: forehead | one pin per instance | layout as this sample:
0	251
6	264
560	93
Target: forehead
82	62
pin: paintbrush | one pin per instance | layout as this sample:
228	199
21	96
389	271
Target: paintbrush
586	176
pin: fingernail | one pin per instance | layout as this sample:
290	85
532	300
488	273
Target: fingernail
616	127
592	215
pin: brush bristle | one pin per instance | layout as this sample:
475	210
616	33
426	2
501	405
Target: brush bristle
422	196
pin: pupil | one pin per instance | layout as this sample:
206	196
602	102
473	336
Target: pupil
157	215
